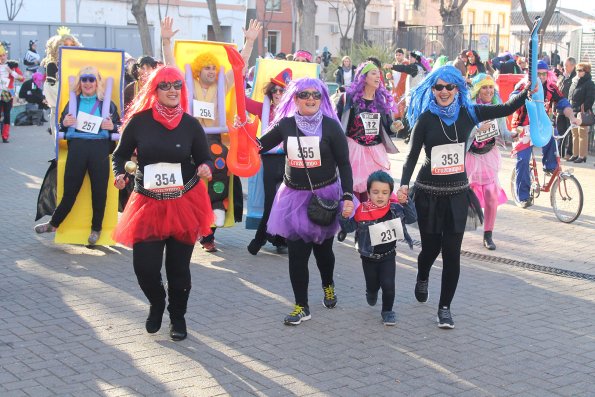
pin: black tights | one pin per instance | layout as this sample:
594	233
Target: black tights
381	274
147	258
299	254
450	244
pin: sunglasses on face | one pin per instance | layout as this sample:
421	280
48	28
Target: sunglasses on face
309	94
166	85
88	78
277	90
579	70
542	73
440	87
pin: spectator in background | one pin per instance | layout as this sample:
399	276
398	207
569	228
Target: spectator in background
345	73
545	58
562	122
461	62
129	62
582	97
555	58
32	59
302	56
143	68
281	56
9	72
506	64
474	65
32	92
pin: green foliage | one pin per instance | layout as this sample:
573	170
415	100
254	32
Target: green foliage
358	55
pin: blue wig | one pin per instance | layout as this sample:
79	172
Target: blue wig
422	94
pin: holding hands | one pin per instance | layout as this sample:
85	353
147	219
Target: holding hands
204	171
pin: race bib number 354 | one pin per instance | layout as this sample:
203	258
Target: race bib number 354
163	177
448	159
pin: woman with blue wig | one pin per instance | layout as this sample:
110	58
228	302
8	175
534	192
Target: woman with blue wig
305	113
443	117
366	112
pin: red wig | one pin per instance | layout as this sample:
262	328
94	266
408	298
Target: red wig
147	96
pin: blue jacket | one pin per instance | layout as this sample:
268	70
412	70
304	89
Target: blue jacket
406	212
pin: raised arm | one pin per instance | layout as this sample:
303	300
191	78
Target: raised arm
167	33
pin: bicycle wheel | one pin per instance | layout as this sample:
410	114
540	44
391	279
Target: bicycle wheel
567	198
513	191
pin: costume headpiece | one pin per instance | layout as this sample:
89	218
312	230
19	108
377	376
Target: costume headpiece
63	31
2	50
202	60
482	80
303	54
368	66
283	78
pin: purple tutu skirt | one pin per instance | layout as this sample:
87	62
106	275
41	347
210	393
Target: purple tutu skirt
289	215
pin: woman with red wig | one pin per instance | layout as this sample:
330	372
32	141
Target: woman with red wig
169	208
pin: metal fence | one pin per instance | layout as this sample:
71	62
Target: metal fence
18	35
449	40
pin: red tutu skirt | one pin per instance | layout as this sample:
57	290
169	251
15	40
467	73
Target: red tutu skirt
186	218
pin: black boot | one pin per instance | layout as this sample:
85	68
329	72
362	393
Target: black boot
156	297
488	242
178	301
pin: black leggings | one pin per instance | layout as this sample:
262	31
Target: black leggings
273	168
85	155
450	244
381	274
299	254
147	258
5	108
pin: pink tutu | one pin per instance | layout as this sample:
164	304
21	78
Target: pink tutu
186	218
365	160
482	171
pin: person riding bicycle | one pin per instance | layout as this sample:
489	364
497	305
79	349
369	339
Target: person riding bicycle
520	122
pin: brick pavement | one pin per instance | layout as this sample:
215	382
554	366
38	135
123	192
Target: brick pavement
71	318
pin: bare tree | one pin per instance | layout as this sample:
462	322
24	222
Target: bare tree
140	14
13	8
215	20
360	20
452	20
345	41
267	17
306	19
550	8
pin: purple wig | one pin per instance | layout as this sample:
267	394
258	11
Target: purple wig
287	106
383	100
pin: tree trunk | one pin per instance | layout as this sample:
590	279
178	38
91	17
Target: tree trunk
215	20
452	22
306	21
360	20
140	14
550	8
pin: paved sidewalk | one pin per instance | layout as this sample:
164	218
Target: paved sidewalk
72	318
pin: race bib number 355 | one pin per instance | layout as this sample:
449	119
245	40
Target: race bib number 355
448	159
386	232
163	177
310	152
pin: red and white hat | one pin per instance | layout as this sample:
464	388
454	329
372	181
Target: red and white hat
283	78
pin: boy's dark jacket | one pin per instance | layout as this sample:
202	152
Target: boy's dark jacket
406	212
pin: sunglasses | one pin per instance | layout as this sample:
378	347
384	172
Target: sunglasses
88	78
166	85
579	70
440	87
309	94
542	73
278	90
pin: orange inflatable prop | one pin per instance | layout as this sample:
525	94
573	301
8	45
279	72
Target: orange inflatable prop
243	158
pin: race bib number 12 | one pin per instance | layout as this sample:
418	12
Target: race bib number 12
448	159
371	122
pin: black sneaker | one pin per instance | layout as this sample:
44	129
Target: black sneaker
330	299
371	298
445	319
421	291
389	318
298	315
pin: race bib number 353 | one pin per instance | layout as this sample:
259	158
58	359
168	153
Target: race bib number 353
310	152
448	159
163	177
386	232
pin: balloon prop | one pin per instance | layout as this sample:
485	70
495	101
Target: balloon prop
540	126
243	158
222	127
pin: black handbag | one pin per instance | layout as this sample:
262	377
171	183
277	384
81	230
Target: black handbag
321	211
587	118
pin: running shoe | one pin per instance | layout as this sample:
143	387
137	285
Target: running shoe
93	237
209	247
44	228
330	299
298	315
371	298
445	318
389	318
421	291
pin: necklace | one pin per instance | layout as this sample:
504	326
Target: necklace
447	137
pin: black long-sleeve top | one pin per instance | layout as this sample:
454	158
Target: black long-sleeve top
334	153
186	144
428	133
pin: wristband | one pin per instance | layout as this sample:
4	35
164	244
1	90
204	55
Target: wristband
347	196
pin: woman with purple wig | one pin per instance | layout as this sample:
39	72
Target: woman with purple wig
305	113
365	112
